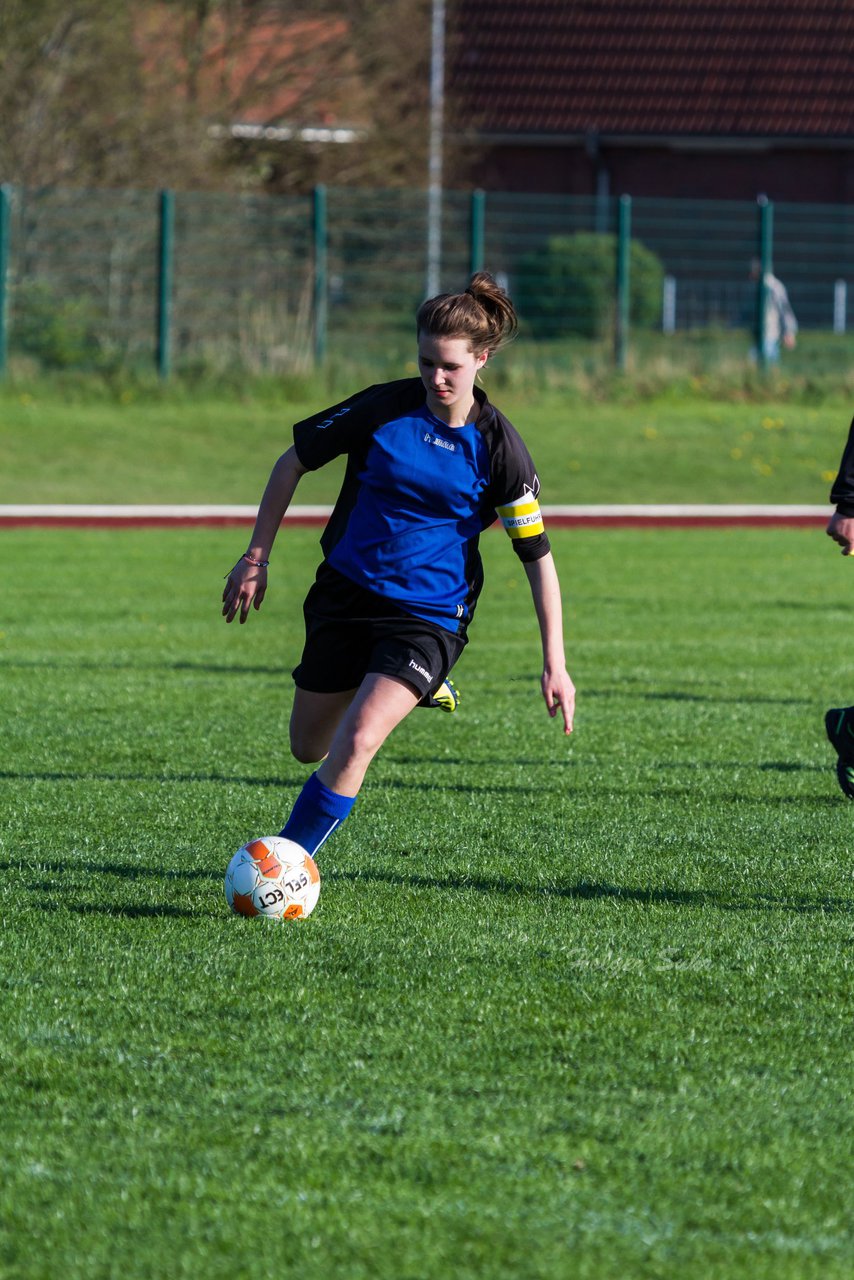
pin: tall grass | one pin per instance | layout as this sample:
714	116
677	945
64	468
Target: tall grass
702	365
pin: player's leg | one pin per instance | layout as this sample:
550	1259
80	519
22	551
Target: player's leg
839	724
315	718
394	659
378	707
380	703
335	657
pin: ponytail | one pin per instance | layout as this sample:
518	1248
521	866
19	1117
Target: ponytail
483	314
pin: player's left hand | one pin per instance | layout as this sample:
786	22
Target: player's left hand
841	529
559	693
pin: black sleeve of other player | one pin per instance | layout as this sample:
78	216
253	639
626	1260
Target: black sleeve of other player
842	493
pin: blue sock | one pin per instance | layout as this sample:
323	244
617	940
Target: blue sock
316	814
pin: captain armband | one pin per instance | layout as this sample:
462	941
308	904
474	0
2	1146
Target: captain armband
522	518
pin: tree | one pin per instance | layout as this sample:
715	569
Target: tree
393	46
181	92
255	77
73	100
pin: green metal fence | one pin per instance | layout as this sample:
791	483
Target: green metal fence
183	280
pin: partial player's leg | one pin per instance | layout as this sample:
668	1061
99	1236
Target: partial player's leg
378	707
839	724
330	793
315	717
404	659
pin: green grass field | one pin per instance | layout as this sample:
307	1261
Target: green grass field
176	448
566	1009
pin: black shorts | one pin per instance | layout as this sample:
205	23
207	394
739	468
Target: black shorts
351	632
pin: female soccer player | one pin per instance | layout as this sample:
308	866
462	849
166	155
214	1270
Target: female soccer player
430	464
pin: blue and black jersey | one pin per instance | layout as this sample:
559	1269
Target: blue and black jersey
417	494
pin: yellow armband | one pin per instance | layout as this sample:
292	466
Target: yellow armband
523	518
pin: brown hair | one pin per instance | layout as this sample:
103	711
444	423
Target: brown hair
483	314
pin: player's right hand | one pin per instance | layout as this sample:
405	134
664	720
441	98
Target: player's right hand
246	587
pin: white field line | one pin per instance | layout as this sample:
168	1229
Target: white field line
106	511
656	512
660	511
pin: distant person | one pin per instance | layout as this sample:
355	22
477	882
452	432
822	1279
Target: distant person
839	721
430	465
781	325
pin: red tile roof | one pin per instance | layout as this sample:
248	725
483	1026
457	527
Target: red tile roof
675	67
257	69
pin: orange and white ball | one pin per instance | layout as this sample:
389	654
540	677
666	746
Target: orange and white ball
272	877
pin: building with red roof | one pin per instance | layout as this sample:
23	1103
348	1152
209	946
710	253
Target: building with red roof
665	98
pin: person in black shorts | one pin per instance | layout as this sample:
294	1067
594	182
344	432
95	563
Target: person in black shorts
430	465
839	721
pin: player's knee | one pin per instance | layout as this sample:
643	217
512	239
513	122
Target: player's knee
306	748
363	742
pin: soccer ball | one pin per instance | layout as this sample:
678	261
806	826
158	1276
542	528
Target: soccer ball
272	877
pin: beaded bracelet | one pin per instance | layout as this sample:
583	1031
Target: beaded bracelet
259	564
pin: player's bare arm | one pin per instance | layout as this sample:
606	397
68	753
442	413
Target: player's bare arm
247	582
558	689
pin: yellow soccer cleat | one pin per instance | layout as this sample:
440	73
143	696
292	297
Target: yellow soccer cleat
446	696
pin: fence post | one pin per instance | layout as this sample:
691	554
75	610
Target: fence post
320	272
766	244
624	236
840	305
668	305
164	283
477	231
5	234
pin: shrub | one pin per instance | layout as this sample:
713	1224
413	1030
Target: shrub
569	286
59	333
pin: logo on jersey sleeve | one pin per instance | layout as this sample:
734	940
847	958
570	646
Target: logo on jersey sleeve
522	518
321	426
